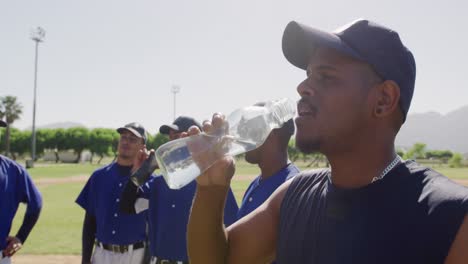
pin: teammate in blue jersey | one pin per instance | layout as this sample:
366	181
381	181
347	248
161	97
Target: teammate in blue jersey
370	206
169	209
118	238
275	167
16	187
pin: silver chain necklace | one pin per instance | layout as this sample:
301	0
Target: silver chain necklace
390	166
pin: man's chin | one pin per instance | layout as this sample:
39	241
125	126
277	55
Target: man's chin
124	156
307	147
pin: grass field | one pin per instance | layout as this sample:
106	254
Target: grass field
58	230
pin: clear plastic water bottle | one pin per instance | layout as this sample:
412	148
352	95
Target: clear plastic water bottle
184	159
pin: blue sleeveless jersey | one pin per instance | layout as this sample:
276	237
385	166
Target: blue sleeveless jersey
410	216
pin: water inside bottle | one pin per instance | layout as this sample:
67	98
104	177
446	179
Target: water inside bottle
176	162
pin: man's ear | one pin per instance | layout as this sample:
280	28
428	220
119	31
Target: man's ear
387	98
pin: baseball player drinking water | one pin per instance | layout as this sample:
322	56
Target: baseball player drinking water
168	209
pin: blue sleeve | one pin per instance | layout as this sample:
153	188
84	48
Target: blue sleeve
85	198
230	209
29	221
28	193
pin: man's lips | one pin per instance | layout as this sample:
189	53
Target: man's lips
304	108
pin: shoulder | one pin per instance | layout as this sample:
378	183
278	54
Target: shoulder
103	171
12	168
436	188
254	182
10	164
99	177
292	171
311	176
309	181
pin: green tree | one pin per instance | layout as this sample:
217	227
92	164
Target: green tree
77	139
20	142
115	143
10	111
400	152
418	151
456	160
293	152
100	142
59	142
156	141
45	140
442	155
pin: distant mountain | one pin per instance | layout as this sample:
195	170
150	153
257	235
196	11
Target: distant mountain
438	131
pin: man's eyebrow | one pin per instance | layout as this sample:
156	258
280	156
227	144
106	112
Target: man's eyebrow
322	67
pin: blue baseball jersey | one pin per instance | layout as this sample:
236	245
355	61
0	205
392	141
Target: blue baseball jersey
16	187
101	196
168	215
259	190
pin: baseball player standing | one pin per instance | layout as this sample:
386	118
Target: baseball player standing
169	209
16	186
118	239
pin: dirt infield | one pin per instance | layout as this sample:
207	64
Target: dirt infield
46	259
51	181
462	182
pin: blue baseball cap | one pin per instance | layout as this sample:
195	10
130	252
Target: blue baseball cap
136	129
362	39
181	124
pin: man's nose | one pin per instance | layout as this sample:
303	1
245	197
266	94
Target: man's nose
305	88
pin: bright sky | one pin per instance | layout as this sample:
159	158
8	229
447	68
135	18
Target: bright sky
107	63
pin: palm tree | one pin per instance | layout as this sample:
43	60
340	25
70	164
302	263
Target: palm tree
10	110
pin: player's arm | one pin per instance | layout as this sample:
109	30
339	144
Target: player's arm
206	236
33	210
88	236
29	194
15	243
250	240
458	253
144	165
253	238
230	209
128	199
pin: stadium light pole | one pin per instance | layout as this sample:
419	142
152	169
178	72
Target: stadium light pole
37	35
175	89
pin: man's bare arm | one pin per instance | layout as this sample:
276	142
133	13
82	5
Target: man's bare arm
250	240
207	240
253	239
458	253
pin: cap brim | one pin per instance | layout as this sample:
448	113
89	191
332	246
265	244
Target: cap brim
164	129
300	41
3	123
133	131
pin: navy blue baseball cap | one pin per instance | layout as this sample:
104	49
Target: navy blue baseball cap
134	128
181	124
3	123
362	39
